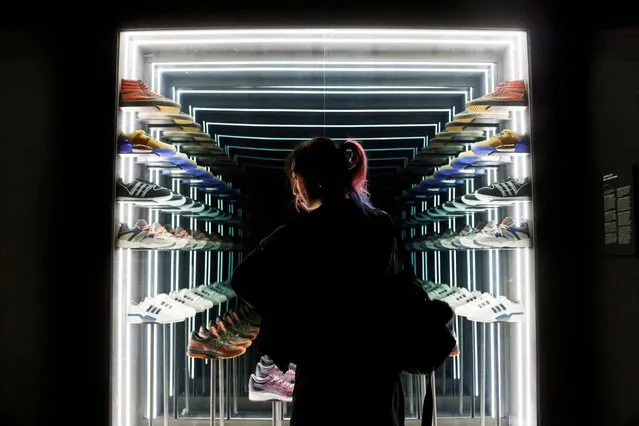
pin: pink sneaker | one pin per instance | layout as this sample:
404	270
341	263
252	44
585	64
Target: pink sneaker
270	388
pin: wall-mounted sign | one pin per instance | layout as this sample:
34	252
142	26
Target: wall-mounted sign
619	211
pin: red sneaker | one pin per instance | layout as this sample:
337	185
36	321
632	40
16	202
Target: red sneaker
506	95
137	94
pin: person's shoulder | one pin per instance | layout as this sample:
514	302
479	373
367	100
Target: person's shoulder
283	234
380	217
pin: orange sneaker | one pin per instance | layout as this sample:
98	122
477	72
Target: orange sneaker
506	96
506	141
143	142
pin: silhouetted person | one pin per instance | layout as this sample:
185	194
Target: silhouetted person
318	284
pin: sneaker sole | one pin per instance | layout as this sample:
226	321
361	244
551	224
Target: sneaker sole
267	396
499	199
494	106
155	104
204	354
161	199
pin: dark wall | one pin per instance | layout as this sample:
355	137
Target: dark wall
614	106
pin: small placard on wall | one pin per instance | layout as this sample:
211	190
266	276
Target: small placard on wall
619	211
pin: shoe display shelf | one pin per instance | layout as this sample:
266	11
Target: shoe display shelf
428	208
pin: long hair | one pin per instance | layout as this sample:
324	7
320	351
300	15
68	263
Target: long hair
330	170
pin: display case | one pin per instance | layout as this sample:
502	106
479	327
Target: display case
206	118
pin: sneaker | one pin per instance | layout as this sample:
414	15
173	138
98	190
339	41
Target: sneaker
475	121
140	237
178	120
207	293
136	93
457	298
201	243
461	299
486	299
186	310
182	161
150	311
247	314
442	291
473	201
506	94
143	144
130	238
176	201
262	371
211	347
182	234
270	388
505	191
223	288
465	232
141	192
242	330
163	240
188	301
188	294
457	136
505	141
446	242
502	310
506	235
468	240
159	231
203	237
227	335
180	136
464	159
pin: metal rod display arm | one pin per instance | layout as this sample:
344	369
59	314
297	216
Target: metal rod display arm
152	376
165	377
277	413
213	393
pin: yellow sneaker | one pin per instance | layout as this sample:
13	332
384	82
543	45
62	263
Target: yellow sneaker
142	141
504	141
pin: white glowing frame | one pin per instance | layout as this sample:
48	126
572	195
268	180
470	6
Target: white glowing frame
525	407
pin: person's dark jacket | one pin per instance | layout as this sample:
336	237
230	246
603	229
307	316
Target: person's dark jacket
320	285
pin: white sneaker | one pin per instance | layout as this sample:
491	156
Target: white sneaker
506	235
442	292
187	311
159	232
188	293
457	299
151	241
188	300
150	311
503	310
211	294
484	300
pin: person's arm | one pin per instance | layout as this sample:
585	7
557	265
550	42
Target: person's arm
253	279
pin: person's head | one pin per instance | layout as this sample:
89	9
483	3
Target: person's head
321	170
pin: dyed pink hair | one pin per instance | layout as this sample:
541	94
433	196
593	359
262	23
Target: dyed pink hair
328	170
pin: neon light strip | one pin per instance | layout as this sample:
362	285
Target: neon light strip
220	136
327	31
328	111
219	123
319	92
163	66
323	41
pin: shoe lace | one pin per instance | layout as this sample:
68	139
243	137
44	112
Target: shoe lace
280	382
